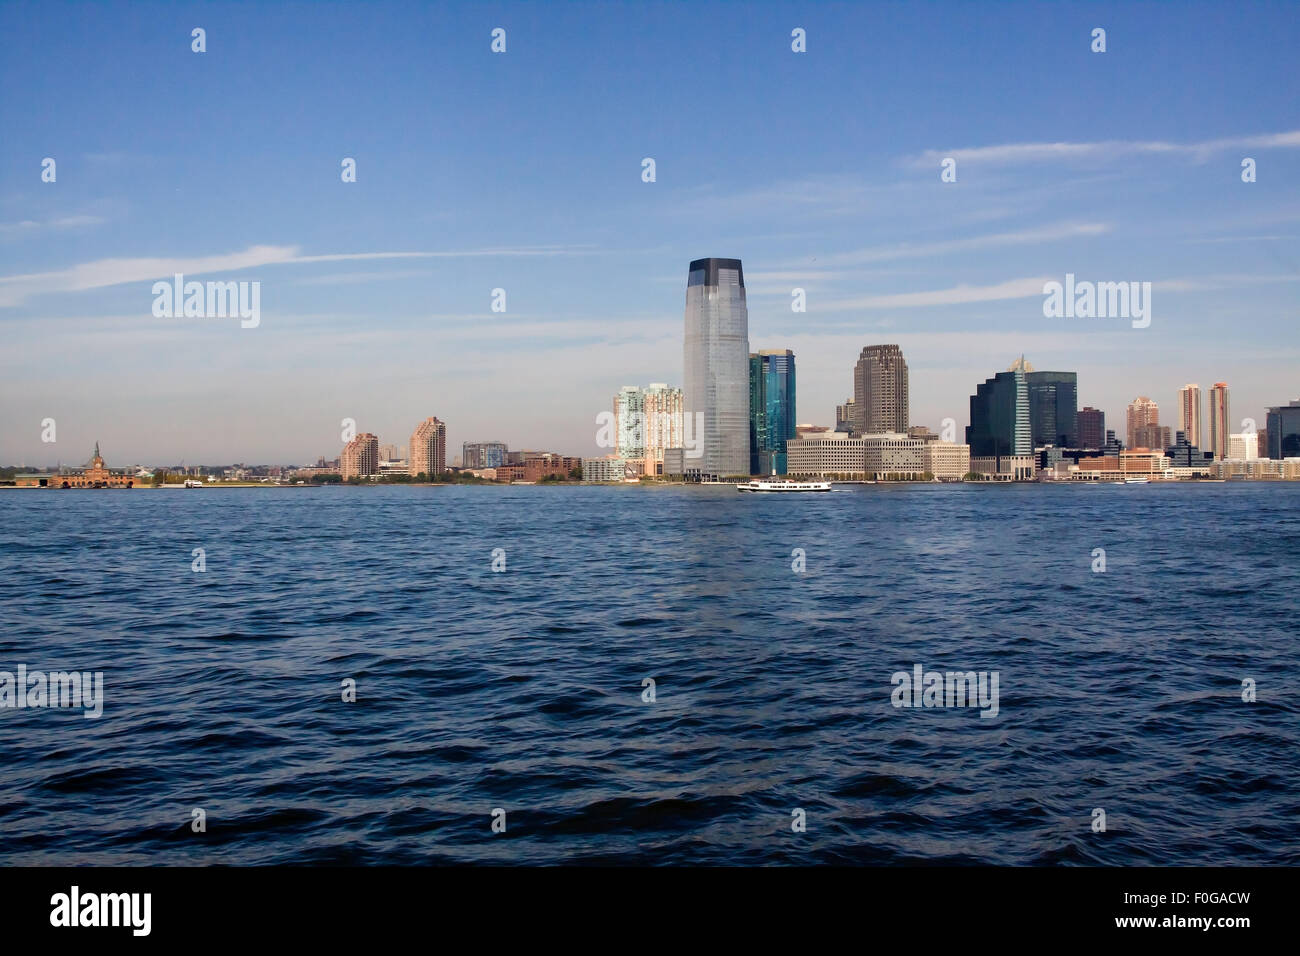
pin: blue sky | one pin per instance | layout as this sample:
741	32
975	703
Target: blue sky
522	171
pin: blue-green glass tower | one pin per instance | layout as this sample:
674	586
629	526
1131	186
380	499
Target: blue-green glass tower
999	417
771	410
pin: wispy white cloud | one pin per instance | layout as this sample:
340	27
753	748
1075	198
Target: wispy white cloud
1208	283
948	246
957	295
29	226
1015	153
16	289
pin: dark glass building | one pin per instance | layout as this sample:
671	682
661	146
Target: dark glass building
999	417
1183	454
1283	426
1053	407
771	410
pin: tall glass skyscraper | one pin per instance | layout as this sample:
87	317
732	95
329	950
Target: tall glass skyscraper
1283	423
1053	407
999	417
716	366
771	410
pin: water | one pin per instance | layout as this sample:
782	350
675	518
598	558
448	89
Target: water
522	690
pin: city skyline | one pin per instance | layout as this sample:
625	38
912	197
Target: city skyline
377	295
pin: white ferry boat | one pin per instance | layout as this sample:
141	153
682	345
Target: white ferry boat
768	484
193	483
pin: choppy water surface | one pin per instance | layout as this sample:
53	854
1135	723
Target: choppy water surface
522	690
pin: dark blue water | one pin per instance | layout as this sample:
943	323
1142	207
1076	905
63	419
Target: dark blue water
522	690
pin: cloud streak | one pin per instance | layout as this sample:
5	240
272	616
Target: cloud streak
957	295
17	289
1008	154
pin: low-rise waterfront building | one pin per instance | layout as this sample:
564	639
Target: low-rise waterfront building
894	455
93	475
946	460
822	453
1004	467
607	469
1257	469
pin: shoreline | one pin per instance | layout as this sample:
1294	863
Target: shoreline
647	484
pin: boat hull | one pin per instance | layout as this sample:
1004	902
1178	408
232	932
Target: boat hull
784	487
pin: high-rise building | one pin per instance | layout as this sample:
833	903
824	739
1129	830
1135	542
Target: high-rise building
771	410
428	448
1189	414
477	455
360	457
1283	424
647	421
629	422
1151	436
716	365
1053	405
844	416
1090	427
1219	420
999	417
1141	411
663	420
880	391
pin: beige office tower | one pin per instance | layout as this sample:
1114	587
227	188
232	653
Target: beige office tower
1219	423
428	448
360	457
1189	414
880	391
1141	413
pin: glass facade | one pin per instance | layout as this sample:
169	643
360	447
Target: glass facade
771	410
1283	426
999	417
483	454
716	365
1053	407
629	422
